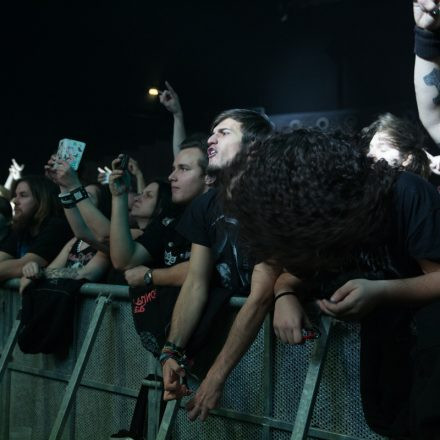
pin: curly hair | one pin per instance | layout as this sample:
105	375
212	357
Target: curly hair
406	136
308	200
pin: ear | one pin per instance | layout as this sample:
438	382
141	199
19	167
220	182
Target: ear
408	160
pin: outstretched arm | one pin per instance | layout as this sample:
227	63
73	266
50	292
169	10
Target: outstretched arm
241	335
358	297
427	66
170	100
187	312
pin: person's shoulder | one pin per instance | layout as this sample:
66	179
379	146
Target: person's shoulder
408	182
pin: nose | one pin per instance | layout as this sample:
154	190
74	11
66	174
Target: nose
172	176
212	139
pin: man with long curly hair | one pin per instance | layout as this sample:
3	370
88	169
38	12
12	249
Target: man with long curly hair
364	239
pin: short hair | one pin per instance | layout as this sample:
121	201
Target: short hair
255	126
199	141
307	200
45	193
408	137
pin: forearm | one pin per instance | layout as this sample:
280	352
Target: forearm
9	182
97	222
13	268
411	290
171	276
187	311
241	336
427	87
122	245
179	132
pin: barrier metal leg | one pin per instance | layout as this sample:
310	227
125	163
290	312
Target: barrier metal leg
9	348
168	419
155	390
311	383
80	365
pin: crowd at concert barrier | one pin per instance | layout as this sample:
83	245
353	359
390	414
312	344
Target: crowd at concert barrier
344	223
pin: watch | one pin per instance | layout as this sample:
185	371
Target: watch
148	277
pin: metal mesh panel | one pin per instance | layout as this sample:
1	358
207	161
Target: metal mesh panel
243	389
34	403
118	357
290	366
214	428
338	406
100	414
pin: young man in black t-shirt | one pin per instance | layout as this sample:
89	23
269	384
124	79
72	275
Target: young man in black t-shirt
154	289
215	251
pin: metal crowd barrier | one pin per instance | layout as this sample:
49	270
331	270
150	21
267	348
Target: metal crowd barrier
276	392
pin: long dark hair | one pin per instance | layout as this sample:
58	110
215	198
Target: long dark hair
308	200
45	193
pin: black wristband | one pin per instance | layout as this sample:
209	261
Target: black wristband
426	43
284	294
78	194
66	200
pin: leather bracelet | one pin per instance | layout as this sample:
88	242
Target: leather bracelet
426	43
284	294
79	194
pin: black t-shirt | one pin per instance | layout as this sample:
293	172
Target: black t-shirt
205	224
54	234
414	234
165	245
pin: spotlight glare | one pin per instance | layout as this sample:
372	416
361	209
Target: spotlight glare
153	92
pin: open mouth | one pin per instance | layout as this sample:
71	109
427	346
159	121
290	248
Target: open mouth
211	152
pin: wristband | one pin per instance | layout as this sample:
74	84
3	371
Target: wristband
78	194
66	200
284	294
426	43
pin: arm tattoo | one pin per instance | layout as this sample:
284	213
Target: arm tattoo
433	79
63	272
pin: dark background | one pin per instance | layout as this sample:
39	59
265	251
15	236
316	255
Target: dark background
81	69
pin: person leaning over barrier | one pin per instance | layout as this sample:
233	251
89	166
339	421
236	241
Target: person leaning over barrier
364	239
216	261
37	219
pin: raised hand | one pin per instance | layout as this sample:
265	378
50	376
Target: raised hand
15	170
170	100
119	180
426	14
434	163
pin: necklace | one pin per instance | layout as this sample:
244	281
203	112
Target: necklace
78	246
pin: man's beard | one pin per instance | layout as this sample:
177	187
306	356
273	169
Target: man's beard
24	223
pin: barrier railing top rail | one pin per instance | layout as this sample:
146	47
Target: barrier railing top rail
115	291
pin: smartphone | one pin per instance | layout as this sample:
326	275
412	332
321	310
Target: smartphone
123	164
